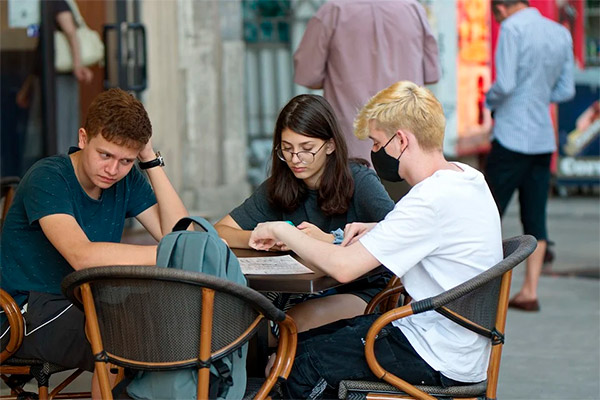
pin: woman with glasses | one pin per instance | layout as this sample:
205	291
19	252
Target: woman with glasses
314	186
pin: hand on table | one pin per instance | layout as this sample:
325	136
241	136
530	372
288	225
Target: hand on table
354	231
262	237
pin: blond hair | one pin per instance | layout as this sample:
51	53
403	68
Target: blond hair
404	106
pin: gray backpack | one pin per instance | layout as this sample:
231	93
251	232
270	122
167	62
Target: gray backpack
200	251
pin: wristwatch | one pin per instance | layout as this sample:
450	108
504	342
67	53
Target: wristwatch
157	162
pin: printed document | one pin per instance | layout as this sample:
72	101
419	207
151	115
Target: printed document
278	265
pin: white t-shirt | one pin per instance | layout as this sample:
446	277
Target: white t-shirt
445	231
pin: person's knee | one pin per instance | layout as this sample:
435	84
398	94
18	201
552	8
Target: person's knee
321	311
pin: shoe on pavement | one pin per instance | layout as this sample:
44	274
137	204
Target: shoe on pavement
529	305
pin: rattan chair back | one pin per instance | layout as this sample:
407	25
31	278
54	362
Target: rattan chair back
153	318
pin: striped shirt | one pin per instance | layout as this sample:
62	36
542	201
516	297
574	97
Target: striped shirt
534	67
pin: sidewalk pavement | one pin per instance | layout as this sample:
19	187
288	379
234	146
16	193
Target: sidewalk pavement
555	353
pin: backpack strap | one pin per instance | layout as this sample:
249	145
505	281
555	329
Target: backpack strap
185	222
166	245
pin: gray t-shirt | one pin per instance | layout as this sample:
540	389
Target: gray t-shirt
370	203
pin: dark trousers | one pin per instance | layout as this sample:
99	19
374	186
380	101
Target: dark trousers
334	352
507	171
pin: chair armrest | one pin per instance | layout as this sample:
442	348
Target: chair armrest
15	320
390	294
284	360
397	313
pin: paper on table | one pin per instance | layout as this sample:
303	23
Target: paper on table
278	265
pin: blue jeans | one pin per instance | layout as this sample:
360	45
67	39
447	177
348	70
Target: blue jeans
335	352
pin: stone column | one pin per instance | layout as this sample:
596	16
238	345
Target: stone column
195	100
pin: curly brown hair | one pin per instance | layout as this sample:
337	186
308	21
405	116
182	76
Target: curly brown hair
120	118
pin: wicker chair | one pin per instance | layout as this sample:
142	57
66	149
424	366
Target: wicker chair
480	304
153	319
16	372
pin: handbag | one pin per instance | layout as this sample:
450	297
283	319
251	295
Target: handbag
91	48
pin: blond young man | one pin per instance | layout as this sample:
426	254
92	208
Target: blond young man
445	231
68	214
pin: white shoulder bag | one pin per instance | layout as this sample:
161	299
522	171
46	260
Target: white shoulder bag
91	48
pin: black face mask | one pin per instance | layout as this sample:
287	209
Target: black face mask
386	165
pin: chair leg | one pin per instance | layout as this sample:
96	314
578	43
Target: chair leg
43	392
40	373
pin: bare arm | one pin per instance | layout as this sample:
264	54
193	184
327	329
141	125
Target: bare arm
233	234
67	25
81	253
342	263
161	217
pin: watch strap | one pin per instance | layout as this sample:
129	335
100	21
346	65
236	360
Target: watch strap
157	162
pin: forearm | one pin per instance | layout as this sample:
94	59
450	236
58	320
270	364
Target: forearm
235	238
75	49
93	254
170	207
328	257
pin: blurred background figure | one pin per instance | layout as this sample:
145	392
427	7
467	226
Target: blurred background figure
534	67
67	87
354	48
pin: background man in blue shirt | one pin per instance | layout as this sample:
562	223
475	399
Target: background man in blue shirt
534	67
68	213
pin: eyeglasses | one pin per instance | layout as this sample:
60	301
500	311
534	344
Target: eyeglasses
306	157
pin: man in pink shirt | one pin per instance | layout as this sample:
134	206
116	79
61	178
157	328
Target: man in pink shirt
354	48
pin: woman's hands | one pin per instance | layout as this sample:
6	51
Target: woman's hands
314	232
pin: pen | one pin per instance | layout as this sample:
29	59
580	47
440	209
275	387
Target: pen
290	222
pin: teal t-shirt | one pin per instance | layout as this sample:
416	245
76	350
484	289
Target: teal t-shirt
29	261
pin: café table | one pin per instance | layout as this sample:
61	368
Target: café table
287	283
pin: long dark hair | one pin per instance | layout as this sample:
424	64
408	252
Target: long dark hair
311	115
